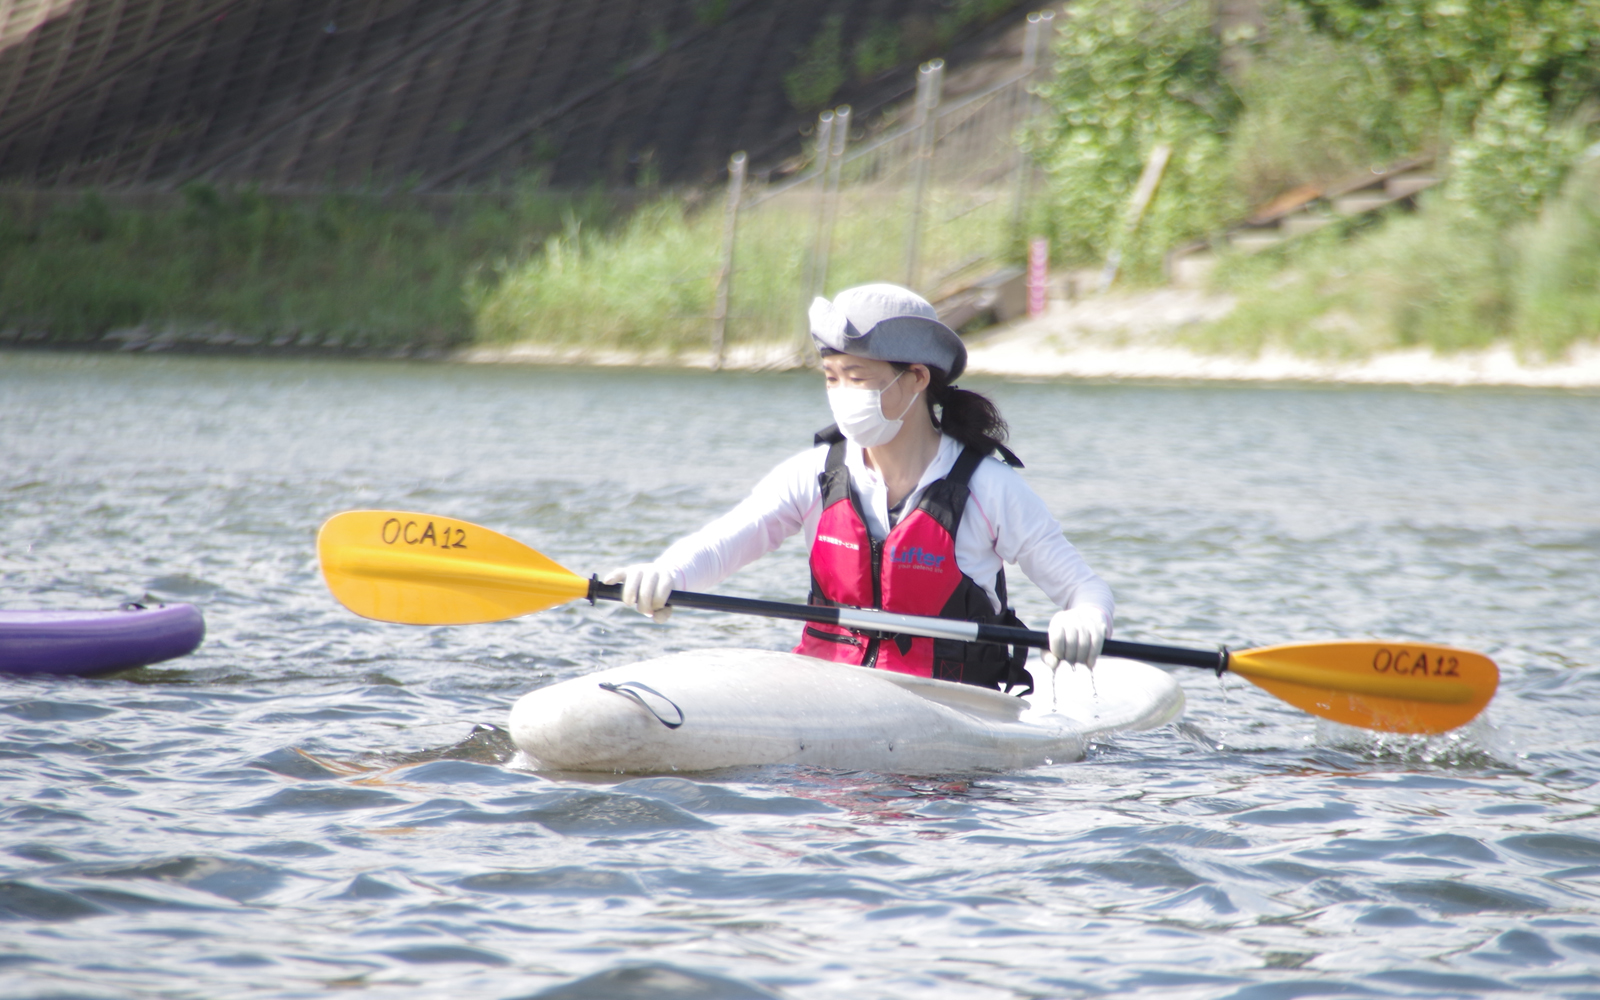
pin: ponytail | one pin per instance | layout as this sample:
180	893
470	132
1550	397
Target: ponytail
969	417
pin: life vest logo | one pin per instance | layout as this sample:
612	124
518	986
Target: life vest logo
852	546
915	558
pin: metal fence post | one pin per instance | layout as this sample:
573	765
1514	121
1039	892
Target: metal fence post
719	316
929	78
830	199
820	171
1039	24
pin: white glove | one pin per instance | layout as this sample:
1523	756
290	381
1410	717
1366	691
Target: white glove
1076	635
645	587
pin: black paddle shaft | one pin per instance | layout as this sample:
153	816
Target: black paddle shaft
1005	635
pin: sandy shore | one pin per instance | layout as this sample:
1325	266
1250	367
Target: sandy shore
740	357
1128	337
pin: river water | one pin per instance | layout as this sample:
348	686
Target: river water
313	800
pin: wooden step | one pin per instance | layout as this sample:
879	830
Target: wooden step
1299	225
1254	240
1407	185
1357	204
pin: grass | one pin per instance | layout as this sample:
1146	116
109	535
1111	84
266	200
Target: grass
651	284
1555	288
1430	279
344	266
648	285
541	268
1292	130
1444	279
523	266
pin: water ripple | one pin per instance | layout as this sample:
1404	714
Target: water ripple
315	802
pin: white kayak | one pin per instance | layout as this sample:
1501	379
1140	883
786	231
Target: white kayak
715	708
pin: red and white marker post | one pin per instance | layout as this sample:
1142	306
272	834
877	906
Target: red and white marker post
1038	275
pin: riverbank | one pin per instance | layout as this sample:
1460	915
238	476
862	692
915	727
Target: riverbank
738	357
237	273
216	340
1141	336
1135	336
1111	338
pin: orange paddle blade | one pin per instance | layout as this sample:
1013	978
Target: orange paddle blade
1394	687
422	569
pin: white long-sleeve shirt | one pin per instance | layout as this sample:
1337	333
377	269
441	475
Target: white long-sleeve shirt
1005	522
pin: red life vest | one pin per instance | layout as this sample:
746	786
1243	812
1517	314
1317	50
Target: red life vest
912	571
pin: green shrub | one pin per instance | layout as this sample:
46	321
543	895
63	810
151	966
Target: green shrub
1131	75
1500	88
1557	277
1513	159
819	73
1459	54
960	14
1317	110
879	49
1331	88
711	13
1507	80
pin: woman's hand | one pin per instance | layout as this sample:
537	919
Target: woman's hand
645	588
1076	636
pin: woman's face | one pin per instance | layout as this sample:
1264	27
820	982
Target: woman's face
846	371
899	389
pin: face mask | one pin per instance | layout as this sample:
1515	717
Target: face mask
859	414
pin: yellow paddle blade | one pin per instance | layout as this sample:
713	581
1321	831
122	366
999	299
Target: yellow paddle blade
1394	687
422	569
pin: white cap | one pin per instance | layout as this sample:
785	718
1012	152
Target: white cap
887	323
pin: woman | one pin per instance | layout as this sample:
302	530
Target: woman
903	506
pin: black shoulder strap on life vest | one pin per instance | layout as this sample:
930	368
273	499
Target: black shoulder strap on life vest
834	479
961	472
945	500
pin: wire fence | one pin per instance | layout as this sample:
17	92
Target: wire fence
932	203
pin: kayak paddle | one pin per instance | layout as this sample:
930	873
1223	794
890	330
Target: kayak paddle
422	569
